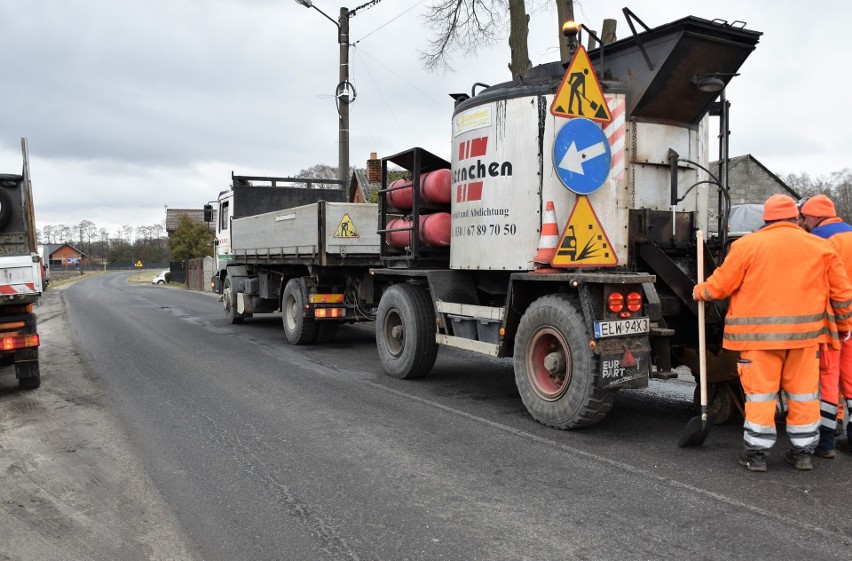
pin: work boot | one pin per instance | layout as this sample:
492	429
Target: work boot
799	459
753	460
825	448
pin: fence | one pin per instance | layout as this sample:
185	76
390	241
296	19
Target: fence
197	273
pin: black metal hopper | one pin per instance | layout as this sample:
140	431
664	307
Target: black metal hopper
661	67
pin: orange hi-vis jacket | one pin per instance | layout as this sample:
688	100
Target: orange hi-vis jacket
788	290
839	235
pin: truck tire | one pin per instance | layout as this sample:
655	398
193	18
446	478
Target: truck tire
326	331
405	331
29	376
724	401
298	329
555	370
228	297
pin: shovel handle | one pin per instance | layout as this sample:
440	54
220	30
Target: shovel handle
702	335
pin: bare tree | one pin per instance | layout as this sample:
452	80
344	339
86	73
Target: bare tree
158	233
837	185
64	234
465	25
462	25
126	233
564	12
87	230
48	234
319	171
841	193
519	30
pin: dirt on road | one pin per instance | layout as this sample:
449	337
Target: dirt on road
71	487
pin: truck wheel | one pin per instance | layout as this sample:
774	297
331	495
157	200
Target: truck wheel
298	329
405	331
326	331
230	305
29	377
555	369
724	400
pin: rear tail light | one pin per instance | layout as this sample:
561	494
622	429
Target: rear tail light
634	301
615	302
19	342
330	312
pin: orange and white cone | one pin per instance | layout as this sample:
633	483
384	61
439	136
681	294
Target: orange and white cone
549	241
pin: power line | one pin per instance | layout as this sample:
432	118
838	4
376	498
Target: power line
387	22
369	4
438	103
399	125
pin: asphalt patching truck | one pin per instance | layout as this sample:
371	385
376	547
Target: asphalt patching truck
561	232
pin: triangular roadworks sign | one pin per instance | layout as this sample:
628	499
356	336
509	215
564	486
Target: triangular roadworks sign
346	228
584	242
580	93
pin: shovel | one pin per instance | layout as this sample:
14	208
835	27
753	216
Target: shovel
698	428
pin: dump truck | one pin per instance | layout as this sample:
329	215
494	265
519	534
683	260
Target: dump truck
21	276
561	232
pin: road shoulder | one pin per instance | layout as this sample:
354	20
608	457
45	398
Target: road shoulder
71	486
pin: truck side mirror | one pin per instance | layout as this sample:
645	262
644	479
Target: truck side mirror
208	213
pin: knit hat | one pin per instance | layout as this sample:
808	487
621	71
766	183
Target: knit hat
779	207
819	206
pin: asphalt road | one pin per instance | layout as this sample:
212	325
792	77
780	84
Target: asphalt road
248	448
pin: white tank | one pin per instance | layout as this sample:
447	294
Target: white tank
508	151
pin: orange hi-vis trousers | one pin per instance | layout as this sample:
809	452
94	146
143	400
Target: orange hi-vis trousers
796	372
835	373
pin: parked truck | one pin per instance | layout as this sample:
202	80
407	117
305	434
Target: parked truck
295	246
21	276
571	208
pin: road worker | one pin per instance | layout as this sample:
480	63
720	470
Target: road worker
819	217
781	282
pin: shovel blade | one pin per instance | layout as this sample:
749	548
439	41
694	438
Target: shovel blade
695	432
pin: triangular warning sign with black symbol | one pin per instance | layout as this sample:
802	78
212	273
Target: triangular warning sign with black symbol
584	242
346	228
580	93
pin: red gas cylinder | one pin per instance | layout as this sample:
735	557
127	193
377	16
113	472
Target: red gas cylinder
435	187
434	231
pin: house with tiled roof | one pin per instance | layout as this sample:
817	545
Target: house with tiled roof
749	182
64	256
173	216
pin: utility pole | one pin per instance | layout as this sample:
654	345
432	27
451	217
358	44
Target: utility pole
342	95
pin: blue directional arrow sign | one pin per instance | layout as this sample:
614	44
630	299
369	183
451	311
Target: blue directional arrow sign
582	156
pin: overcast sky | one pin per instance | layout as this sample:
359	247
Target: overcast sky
132	106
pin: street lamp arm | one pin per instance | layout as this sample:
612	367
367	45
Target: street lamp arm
310	4
344	88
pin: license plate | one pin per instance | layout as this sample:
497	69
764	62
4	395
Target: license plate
621	327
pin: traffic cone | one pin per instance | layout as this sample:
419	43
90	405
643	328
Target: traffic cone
549	241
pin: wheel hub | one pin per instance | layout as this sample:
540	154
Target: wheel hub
554	362
549	364
394	333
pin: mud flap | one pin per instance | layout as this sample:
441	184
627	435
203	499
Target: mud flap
624	364
244	304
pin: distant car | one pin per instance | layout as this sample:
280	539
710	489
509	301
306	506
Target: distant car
162	278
